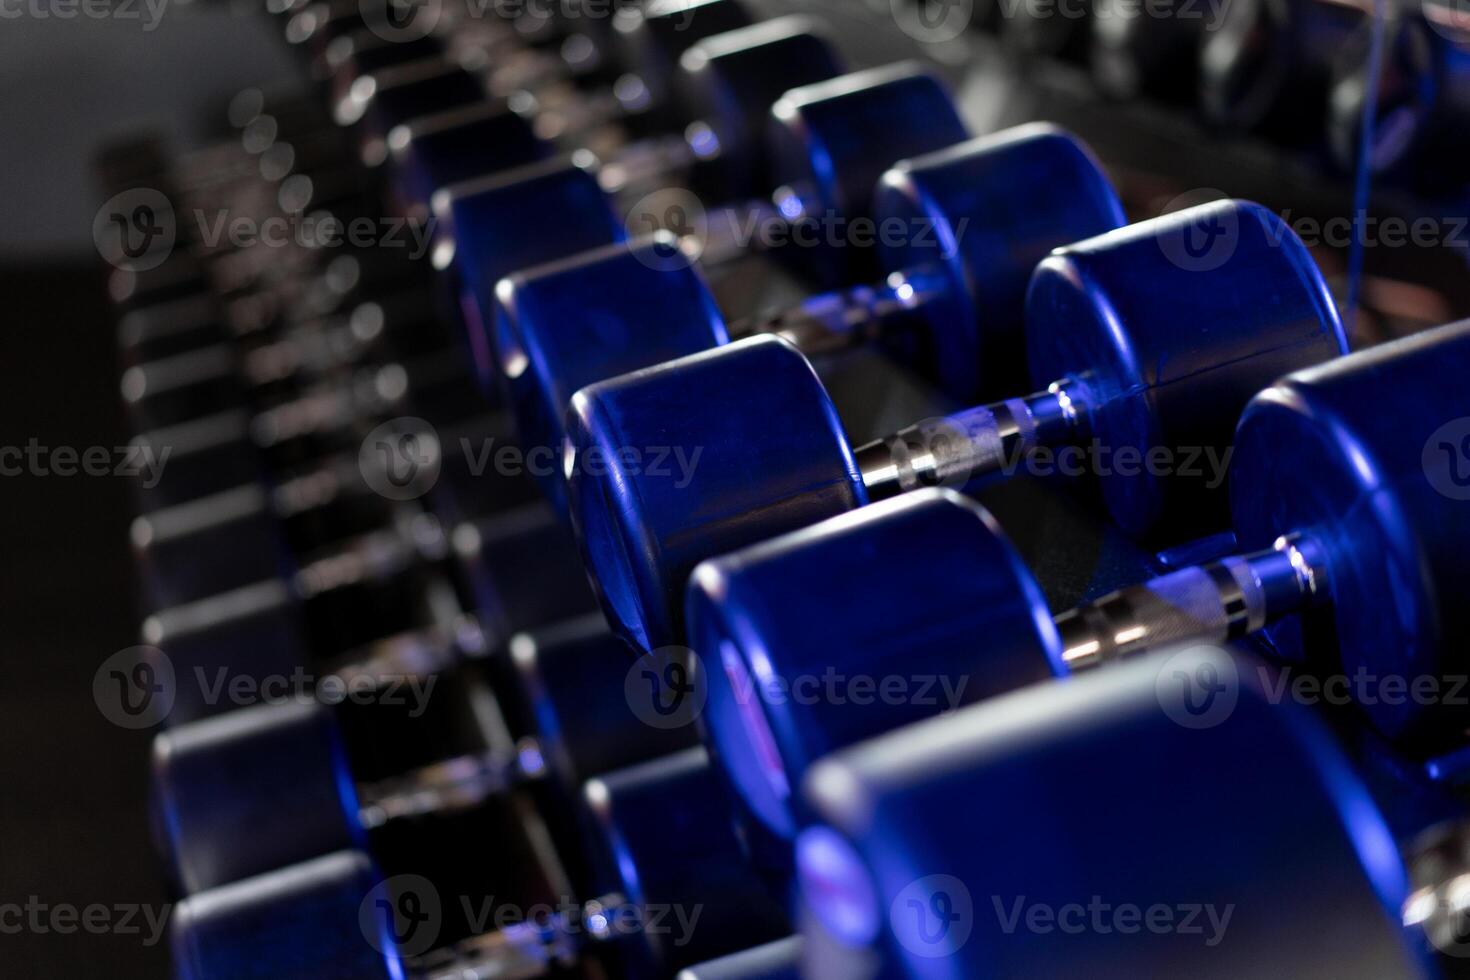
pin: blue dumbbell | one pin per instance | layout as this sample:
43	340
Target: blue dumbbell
1334	512
1102	793
821	143
1420	114
1266	65
1136	341
259	789
725	84
307	921
518	567
976	219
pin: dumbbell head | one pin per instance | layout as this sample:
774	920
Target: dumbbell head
749	424
603	313
310	920
254	633
651	38
1377	484
668	843
196	458
1095	787
832	141
216	543
965	613
613	311
251	791
975	219
522	570
458	144
1166	341
571	677
490	227
176	326
378	102
731	80
1160	352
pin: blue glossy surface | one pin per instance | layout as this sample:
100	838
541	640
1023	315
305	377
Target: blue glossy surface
832	141
603	313
668	842
300	923
491	227
1089	791
976	220
906	608
572	677
450	147
251	791
1166	329
729	83
762	452
1367	457
652	37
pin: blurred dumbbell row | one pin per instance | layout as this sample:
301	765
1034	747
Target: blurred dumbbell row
381	654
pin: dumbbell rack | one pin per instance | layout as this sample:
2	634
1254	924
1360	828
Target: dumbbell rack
1075	552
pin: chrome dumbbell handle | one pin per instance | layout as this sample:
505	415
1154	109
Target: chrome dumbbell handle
1211	603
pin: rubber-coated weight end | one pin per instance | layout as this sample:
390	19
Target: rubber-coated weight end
651	39
1367	458
1184	784
307	922
451	147
693	458
967	226
832	141
874	642
490	227
252	791
600	314
667	844
573	677
247	637
1163	331
734	78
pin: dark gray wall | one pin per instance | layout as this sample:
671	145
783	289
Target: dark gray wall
69	83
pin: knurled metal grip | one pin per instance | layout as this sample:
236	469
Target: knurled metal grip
956	451
1211	603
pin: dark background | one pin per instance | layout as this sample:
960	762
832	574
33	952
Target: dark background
73	819
73	825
